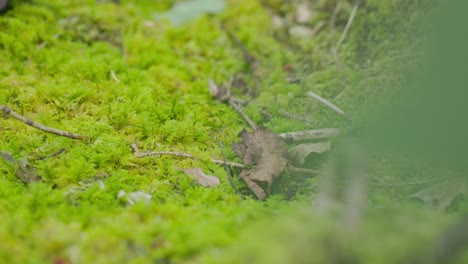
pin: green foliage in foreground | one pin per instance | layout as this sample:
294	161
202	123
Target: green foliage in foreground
56	59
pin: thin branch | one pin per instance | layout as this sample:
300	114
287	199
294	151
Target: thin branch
161	153
60	151
310	134
238	101
41	46
327	103
8	112
333	20
290	115
336	58
332	36
139	154
239	109
113	76
224	95
249	58
229	87
229	163
398	184
401	56
295	169
319	26
347	27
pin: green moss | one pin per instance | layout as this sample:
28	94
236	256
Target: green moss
56	59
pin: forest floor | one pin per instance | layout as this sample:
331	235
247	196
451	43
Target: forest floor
119	76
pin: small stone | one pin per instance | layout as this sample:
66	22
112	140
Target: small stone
278	22
301	32
134	197
303	13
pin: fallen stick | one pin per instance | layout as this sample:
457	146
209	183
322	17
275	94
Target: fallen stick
333	48
60	151
239	109
347	27
233	102
398	184
249	58
114	77
139	154
224	95
290	115
295	169
8	112
310	134
327	103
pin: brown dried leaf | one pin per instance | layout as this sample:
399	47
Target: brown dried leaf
202	178
265	149
255	188
302	151
442	194
24	170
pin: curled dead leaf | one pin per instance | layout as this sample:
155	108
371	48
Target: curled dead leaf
255	188
24	170
265	149
202	178
302	151
442	194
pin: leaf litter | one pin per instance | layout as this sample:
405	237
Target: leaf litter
301	152
442	194
267	151
25	171
264	152
201	178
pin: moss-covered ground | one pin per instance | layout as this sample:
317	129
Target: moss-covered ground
56	59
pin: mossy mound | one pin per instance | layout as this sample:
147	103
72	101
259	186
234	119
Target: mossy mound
112	72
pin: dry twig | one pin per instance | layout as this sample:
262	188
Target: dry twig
60	151
347	27
310	134
223	94
290	115
249	58
332	36
114	77
400	184
8	112
327	103
295	169
139	154
239	109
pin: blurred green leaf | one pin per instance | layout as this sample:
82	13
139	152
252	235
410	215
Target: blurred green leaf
189	10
